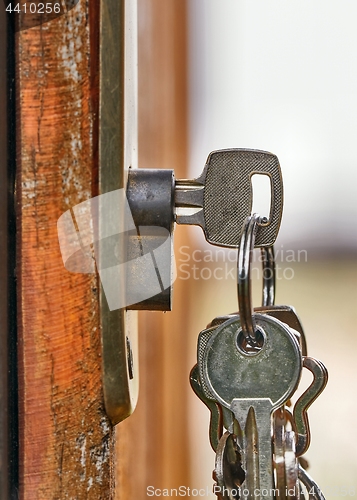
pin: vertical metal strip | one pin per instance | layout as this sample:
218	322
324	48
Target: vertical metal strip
117	147
3	268
8	337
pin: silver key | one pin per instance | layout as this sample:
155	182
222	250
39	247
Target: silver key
219	415
313	492
222	196
228	472
216	423
291	466
285	461
320	374
279	458
285	314
251	442
263	379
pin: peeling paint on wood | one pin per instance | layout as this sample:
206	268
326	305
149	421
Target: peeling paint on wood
65	438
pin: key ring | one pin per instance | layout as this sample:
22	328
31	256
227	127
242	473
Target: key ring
268	262
245	251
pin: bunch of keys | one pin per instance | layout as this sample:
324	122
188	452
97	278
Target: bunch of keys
249	365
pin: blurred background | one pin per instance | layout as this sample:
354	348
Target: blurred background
282	77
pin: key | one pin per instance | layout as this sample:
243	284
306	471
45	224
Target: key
263	381
222	196
285	460
251	442
228	472
219	416
320	374
216	423
285	314
289	472
313	491
291	467
287	444
279	458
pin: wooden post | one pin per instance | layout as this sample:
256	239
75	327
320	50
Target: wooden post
65	437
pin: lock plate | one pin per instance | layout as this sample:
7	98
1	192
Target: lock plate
117	153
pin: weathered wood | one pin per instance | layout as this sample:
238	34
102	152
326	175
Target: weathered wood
65	438
152	445
4	452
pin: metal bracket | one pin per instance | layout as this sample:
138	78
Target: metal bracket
150	195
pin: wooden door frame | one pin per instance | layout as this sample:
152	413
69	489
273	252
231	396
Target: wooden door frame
65	439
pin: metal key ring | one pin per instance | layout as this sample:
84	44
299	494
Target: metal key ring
268	261
246	248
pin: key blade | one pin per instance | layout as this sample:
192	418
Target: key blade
189	200
279	422
291	467
188	194
228	468
252	455
254	415
194	218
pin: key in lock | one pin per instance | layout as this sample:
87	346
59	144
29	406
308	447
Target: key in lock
221	198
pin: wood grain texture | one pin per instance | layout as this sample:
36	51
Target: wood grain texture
152	445
65	438
4	248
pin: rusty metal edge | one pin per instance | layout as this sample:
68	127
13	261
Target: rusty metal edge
8	334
